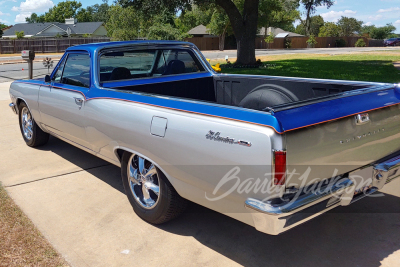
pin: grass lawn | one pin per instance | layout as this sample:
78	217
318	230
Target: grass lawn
21	244
372	66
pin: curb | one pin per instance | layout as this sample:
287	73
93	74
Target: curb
20	62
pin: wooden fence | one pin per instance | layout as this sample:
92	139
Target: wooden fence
205	43
211	43
59	45
301	42
46	45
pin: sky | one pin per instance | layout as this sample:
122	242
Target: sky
377	12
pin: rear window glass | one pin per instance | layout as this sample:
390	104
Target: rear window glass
129	65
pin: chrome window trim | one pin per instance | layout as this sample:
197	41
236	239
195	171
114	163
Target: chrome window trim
200	59
67	54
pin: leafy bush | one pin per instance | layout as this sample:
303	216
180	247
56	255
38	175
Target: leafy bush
360	43
312	40
340	43
20	34
270	38
288	43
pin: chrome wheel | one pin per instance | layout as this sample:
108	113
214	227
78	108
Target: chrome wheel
143	181
27	123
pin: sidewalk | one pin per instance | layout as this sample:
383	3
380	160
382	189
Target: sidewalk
16	59
4	94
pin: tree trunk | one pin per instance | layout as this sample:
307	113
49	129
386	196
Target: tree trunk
244	27
246	49
308	21
222	39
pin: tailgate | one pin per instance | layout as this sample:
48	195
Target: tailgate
336	136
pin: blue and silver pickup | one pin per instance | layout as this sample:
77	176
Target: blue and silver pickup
272	152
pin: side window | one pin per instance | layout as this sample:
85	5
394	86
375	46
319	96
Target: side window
58	74
177	62
77	70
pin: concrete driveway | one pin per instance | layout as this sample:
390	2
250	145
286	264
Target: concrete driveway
77	202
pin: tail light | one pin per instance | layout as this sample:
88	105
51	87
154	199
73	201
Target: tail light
279	167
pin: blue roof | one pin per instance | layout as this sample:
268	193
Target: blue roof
97	46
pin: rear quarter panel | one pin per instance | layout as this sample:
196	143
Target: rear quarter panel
193	164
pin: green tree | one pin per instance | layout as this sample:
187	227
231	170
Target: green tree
316	23
2	26
34	18
123	23
165	32
100	12
383	32
349	26
366	31
194	17
329	29
62	11
278	13
310	7
95	13
219	25
20	34
243	15
84	14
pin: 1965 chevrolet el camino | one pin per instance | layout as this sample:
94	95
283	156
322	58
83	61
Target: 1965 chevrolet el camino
272	152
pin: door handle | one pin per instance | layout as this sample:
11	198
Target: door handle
78	101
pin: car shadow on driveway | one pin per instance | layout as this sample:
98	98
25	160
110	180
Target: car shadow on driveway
86	161
362	234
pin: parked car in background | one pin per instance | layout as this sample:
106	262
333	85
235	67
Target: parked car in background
272	152
392	42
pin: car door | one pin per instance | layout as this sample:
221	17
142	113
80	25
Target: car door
62	103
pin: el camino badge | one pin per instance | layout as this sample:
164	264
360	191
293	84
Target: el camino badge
362	118
216	137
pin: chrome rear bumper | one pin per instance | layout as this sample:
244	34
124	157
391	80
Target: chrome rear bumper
274	219
13	107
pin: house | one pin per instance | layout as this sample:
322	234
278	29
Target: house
51	29
278	32
200	31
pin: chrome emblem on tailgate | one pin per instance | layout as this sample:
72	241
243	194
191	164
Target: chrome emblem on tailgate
362	118
358	137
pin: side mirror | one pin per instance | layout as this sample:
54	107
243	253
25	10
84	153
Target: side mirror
47	78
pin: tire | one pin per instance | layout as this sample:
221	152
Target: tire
139	175
32	134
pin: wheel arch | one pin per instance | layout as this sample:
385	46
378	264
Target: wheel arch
121	150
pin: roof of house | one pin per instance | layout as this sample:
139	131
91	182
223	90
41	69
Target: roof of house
201	29
36	29
277	31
